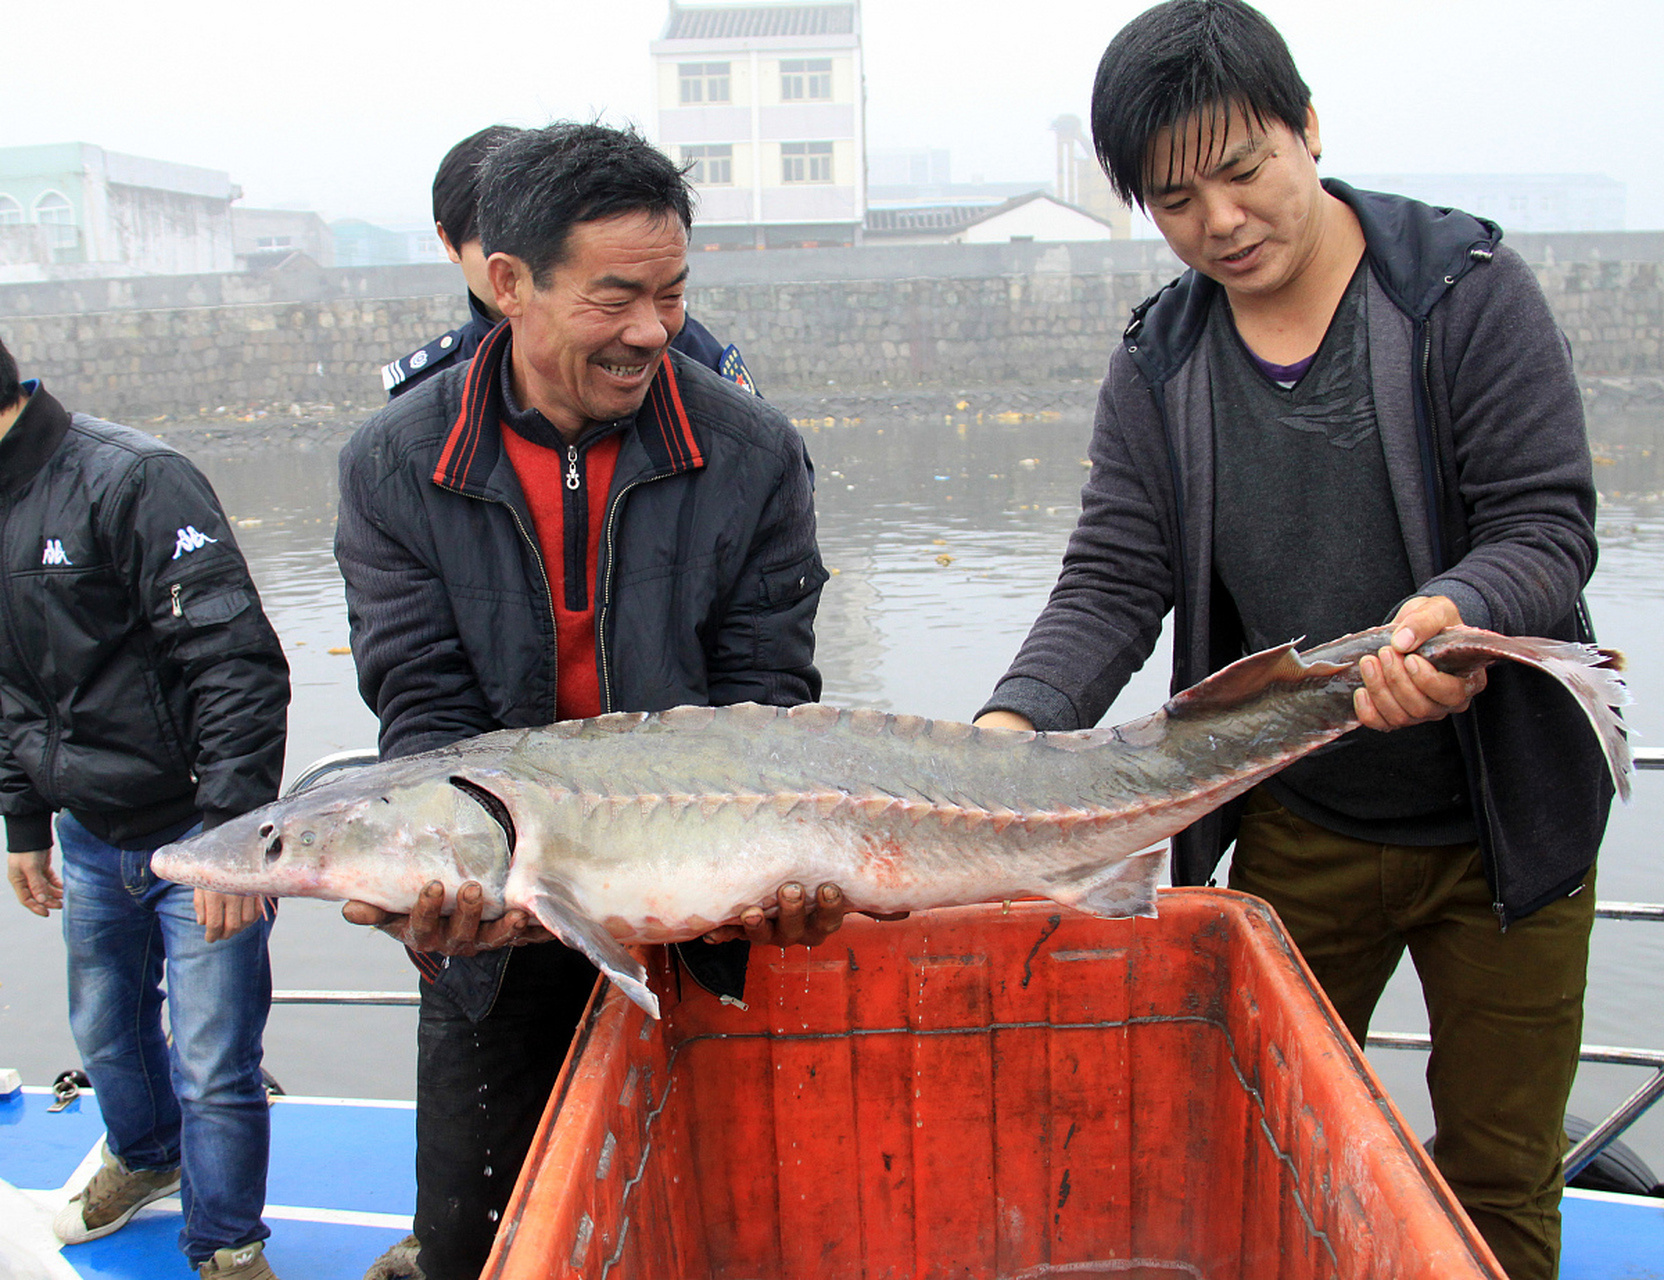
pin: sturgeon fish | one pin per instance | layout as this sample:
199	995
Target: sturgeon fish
643	828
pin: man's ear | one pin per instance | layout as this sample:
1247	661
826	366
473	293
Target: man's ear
450	249
1314	141
511	283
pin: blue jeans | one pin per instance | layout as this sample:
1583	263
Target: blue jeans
202	1105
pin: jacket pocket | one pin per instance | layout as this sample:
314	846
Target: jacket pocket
210	608
792	582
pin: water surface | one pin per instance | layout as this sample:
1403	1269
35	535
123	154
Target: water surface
944	536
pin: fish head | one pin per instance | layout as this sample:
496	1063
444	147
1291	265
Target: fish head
376	835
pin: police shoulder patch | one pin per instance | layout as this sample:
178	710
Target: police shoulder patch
424	358
733	368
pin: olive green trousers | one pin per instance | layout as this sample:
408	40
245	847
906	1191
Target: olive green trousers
1505	1008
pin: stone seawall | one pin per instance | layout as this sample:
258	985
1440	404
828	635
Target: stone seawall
1019	315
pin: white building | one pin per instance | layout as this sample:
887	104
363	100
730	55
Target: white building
75	210
1034	216
765	102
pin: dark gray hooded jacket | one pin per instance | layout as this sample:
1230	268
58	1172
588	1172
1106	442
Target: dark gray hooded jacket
1482	426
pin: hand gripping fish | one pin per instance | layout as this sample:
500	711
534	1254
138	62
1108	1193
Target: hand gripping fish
633	828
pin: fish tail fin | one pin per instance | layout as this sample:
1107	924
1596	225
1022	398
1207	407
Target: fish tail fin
561	917
1593	676
1124	887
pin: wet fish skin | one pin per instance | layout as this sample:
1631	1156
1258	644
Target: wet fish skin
633	828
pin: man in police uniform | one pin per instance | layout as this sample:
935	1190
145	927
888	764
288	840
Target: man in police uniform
455	192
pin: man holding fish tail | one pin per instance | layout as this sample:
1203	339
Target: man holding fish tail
581	520
145	698
1351	408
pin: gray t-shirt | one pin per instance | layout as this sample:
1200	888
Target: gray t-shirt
1307	544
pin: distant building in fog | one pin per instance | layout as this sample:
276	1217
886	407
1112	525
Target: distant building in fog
75	210
364	244
891	194
1516	201
265	237
765	102
907	167
1081	180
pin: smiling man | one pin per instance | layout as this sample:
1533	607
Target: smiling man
581	520
456	222
1352	409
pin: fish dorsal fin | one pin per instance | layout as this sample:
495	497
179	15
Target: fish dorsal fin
556	913
1247	678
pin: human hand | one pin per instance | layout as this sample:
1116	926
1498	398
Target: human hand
798	919
224	915
34	882
1003	720
461	933
1401	688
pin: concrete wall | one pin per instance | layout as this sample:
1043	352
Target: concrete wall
943	315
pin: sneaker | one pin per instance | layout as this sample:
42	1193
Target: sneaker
112	1195
244	1262
398	1263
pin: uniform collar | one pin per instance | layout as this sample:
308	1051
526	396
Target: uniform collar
475	443
478	317
33	439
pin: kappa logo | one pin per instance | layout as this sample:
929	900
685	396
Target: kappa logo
54	553
190	540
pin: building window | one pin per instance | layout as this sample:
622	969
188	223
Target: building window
806	79
11	212
805	162
711	166
54	209
272	242
703	82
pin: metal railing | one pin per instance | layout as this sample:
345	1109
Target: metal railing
1577	1158
1585	1150
310	776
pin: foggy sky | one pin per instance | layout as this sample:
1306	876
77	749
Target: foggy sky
346	107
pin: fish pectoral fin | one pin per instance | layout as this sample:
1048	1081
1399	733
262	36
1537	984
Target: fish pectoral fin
556	913
1125	887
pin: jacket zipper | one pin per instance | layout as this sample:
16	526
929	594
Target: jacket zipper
1436	502
604	588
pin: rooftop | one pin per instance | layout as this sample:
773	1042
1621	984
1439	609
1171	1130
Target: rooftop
751	21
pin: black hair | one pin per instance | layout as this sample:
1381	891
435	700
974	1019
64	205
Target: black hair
11	388
456	183
1175	66
538	185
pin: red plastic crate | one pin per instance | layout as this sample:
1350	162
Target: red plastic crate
987	1093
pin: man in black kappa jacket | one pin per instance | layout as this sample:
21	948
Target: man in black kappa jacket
143	696
581	520
1353	408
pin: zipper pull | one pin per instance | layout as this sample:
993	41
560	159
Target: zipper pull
178	609
572	480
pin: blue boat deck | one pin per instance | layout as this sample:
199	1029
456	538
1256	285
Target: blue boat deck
1611	1237
340	1190
342	1184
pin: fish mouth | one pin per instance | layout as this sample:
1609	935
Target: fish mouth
493	806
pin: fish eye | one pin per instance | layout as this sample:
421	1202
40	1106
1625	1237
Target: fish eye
306	837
